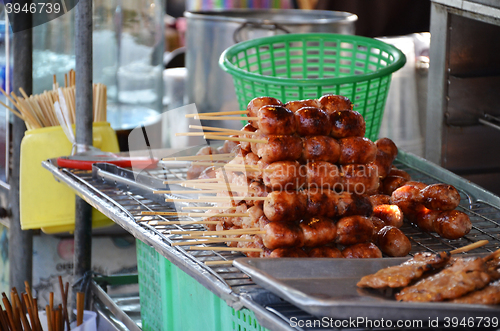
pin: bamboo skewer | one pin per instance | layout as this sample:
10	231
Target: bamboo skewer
80	302
209	240
251	140
186	192
224	232
469	247
199	157
222	113
191	181
226	118
181	222
209	208
194	134
217	239
217	199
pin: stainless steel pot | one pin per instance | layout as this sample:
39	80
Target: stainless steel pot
209	33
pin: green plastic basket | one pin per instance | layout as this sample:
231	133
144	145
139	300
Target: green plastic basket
172	300
307	66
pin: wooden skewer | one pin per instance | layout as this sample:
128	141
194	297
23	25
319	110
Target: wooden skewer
221	187
209	208
233	132
22	314
492	256
48	313
210	241
180	222
186	192
10	313
194	134
199	157
168	213
80	302
218	262
222	113
217	199
4	320
226	118
13	111
211	128
64	302
224	232
216	239
250	140
224	249
469	247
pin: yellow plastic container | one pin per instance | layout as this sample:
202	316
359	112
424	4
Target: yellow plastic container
44	203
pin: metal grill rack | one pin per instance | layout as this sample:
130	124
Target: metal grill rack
120	196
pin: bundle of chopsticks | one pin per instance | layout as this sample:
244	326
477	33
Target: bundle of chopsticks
21	312
38	111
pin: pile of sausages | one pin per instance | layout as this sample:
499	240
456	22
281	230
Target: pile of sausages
315	159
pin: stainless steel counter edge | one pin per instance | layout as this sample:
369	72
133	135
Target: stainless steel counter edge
119	217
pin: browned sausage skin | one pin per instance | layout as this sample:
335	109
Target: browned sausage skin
312	121
320	148
393	242
323	175
388	147
279	148
332	103
280	234
408	198
325	251
390	214
452	224
354	229
287	252
282	206
362	251
347	123
318	231
441	197
360	178
255	104
296	105
357	150
380	199
284	175
246	146
276	120
392	183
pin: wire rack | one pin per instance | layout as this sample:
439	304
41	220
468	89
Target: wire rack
481	206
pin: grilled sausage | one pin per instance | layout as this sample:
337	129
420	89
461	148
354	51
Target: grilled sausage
354	229
357	150
279	148
399	173
380	199
332	103
284	175
360	178
276	120
318	231
323	175
320	148
362	251
287	252
255	104
283	235
347	123
296	105
282	206
325	251
388	147
452	224
383	162
441	197
393	242
408	198
256	243
312	121
257	189
245	145
424	218
390	214
392	183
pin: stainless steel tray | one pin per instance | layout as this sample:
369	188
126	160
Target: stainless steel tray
327	287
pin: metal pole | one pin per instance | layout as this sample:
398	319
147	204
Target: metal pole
20	242
83	51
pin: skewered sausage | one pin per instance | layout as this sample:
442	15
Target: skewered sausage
424	218
390	214
325	251
378	224
284	175
322	175
360	178
296	105
245	145
279	148
276	120
362	251
256	243
332	103
255	104
392	183
312	121
320	148
399	173
282	206
347	123
287	252
408	198
452	224
280	234
354	229
388	147
357	150
349	204
441	197
393	242
380	199
318	231
386	154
